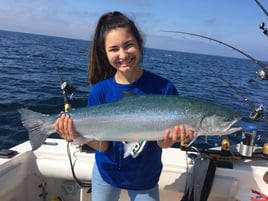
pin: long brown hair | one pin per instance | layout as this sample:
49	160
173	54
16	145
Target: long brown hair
99	67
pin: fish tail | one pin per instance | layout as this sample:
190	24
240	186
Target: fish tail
37	132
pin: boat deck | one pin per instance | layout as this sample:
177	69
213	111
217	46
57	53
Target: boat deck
46	172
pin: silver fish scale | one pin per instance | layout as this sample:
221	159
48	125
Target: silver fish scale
144	117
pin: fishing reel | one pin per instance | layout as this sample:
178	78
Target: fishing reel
68	92
262	27
257	113
262	74
67	88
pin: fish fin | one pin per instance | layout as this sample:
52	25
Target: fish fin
32	122
81	140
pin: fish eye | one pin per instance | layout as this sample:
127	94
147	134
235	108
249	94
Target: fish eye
227	119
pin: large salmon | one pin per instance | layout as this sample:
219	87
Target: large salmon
136	118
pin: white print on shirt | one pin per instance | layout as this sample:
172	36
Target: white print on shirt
133	148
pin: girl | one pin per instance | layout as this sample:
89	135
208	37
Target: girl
114	68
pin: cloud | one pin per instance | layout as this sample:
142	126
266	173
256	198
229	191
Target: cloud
33	16
77	19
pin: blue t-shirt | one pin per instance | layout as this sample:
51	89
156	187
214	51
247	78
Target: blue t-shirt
137	172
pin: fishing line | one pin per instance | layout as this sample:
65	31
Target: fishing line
263	74
257	112
80	183
226	82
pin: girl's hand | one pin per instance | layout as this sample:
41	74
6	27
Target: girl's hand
65	127
178	134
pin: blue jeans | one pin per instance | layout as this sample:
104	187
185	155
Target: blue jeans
102	191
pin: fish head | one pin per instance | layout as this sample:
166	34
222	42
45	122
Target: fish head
219	123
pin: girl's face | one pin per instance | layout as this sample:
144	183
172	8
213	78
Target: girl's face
122	50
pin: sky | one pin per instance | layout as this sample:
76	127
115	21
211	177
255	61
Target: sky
235	22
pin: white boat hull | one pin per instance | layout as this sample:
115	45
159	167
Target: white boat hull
46	172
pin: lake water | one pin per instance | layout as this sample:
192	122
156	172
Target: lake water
29	79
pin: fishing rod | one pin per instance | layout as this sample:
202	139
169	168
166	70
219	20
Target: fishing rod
257	112
68	92
262	25
262	74
261	6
